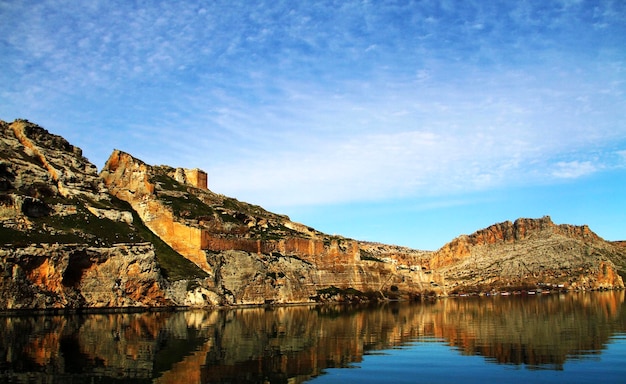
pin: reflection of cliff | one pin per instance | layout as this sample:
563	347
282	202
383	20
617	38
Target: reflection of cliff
542	331
293	344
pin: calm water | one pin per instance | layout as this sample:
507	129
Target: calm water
574	338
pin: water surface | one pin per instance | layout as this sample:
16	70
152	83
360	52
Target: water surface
572	338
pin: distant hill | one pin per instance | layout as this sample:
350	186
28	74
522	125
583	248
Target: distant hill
138	235
531	253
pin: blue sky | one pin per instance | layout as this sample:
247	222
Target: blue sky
406	122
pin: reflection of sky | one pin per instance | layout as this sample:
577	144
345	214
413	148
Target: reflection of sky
435	362
417	109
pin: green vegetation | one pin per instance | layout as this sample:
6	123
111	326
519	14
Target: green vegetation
186	206
175	195
230	218
82	227
173	265
232	204
365	255
165	182
79	227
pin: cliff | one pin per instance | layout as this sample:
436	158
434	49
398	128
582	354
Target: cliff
65	242
280	261
77	276
530	253
138	235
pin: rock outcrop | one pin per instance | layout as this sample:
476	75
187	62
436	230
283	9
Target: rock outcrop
46	276
138	235
530	254
65	242
280	261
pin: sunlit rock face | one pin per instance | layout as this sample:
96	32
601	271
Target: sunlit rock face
65	242
530	253
254	256
142	235
73	276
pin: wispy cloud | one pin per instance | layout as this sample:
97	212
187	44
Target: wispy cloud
324	102
573	169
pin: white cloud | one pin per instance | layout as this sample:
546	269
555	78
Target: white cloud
318	103
573	169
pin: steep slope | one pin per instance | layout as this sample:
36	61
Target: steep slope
139	235
65	241
529	254
253	255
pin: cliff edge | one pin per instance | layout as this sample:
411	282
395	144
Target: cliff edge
65	242
279	260
138	235
530	254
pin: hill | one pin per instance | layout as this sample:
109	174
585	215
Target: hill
138	235
530	254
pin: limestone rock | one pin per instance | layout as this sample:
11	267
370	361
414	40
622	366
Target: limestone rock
530	254
112	214
254	256
142	235
70	172
62	233
48	276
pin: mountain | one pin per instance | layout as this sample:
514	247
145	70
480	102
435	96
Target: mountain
530	253
253	256
65	242
138	235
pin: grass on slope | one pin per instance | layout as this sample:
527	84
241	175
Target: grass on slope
83	227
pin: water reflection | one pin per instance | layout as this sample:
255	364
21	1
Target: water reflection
294	344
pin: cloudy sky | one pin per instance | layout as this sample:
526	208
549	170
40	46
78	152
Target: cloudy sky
406	122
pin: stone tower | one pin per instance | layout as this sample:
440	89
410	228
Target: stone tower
193	177
197	178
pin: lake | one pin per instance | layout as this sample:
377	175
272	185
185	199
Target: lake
573	338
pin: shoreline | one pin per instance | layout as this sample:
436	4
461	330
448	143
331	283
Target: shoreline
24	312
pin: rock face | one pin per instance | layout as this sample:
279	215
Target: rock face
65	242
138	235
280	261
48	276
530	253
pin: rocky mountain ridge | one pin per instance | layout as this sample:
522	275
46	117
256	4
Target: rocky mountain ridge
530	253
281	261
65	242
153	236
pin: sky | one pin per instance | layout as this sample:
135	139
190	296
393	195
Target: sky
402	122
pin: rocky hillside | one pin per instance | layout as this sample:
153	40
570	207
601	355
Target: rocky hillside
65	241
279	260
143	235
530	253
156	236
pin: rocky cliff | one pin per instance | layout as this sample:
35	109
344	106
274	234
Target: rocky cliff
143	235
279	260
529	254
65	242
